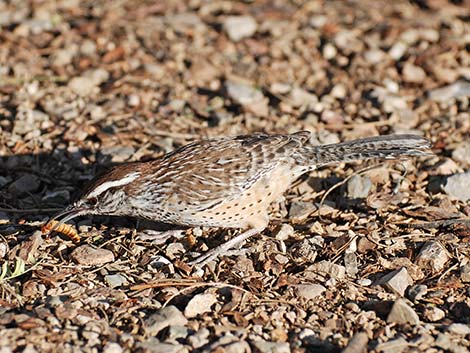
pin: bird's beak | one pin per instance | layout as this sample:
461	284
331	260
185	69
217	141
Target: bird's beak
69	213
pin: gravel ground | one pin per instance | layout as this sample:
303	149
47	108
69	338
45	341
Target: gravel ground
359	257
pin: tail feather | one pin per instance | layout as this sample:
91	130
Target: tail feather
388	147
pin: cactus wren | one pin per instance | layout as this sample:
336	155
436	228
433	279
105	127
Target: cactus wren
225	182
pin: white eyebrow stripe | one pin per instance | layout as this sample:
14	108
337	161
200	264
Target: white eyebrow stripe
111	184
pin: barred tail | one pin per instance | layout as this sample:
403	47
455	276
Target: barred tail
388	147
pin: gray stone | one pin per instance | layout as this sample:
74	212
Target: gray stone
433	256
397	345
329	268
465	273
357	344
115	280
199	304
112	347
459	329
26	184
458	186
199	339
358	187
402	313
89	256
457	89
309	291
168	316
417	292
271	347
397	281
237	347
300	210
176	332
239	27
462	153
350	263
153	345
83	86
243	93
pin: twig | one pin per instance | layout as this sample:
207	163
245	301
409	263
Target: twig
435	224
30	210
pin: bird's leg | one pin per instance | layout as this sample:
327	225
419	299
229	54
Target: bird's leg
223	248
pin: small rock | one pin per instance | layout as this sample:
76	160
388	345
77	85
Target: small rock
57	196
112	347
397	345
309	291
199	304
417	292
357	344
304	251
364	245
402	313
118	154
247	96
271	347
301	98
329	51
300	210
133	100
433	256
89	256
236	347
239	27
462	153
153	345
350	263
284	232
374	56
465	273
329	268
434	314
168	316
458	186
459	329
397	281
358	187
199	339
176	332
397	51
365	282
83	86
413	73
457	89
116	280
26	184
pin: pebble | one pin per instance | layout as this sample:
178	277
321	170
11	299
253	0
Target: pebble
309	291
300	210
301	98
284	232
402	313
199	304
153	345
237	347
271	347
458	186
462	153
433	256
357	344
176	332
26	184
239	27
413	73
350	263
329	51
304	251
457	89
89	256
115	280
397	51
118	154
434	314
465	273
374	56
365	282
199	339
397	281
112	347
329	268
417	292
397	345
358	187
459	329
83	86
247	96
165	317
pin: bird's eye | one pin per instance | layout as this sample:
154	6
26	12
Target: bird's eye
92	201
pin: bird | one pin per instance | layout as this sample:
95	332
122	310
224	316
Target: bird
226	182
